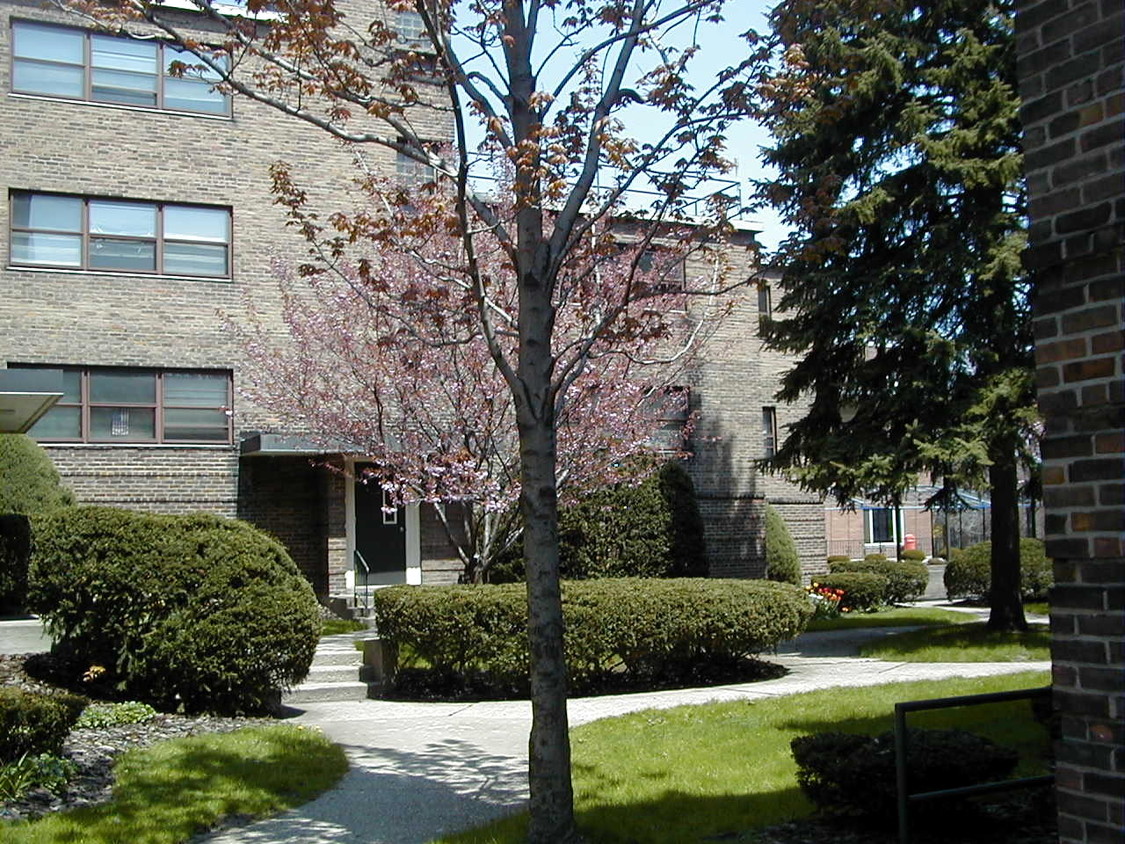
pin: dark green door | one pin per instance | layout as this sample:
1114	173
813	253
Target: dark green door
380	535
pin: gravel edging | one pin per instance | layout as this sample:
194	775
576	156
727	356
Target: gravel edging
94	750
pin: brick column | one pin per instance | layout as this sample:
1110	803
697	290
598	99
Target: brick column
1071	68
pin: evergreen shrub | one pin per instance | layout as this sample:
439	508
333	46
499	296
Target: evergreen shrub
914	555
968	574
15	555
783	564
863	591
875	558
195	612
29	484
621	627
854	775
837	558
33	723
906	581
648	529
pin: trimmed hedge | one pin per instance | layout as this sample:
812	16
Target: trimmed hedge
906	581
783	563
636	627
195	612
34	723
968	574
863	591
915	555
854	775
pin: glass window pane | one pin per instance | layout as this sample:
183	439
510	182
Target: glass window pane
195	259
46	212
72	386
193	66
123	387
123	54
189	222
57	250
135	255
195	389
136	219
56	80
126	88
192	95
58	423
53	43
130	424
195	425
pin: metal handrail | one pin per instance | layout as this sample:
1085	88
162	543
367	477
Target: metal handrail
905	798
358	557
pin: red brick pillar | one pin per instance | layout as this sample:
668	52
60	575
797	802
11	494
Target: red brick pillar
1071	70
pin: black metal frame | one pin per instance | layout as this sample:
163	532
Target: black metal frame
905	798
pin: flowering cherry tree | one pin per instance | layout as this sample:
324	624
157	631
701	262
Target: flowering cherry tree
381	357
548	86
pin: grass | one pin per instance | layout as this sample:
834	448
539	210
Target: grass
1037	608
336	626
173	790
894	617
719	771
963	643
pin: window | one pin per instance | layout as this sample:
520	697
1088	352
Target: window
54	230
769	430
669	408
411	31
880	525
57	61
412	173
138	406
671	275
765	304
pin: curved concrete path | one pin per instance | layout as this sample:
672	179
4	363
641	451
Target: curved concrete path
420	770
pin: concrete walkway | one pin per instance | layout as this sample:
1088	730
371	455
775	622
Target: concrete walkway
422	770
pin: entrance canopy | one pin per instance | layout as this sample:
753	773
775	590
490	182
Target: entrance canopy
25	395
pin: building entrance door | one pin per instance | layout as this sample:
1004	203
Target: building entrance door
380	536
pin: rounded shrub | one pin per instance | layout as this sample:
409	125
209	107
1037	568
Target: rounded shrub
837	558
783	564
29	484
906	581
32	723
914	555
625	628
863	591
854	775
875	558
968	574
195	612
648	529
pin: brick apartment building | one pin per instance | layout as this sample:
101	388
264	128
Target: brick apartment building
138	211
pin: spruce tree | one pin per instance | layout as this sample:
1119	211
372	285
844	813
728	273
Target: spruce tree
896	143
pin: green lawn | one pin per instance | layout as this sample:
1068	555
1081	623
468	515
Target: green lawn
715	772
336	626
894	617
170	791
963	643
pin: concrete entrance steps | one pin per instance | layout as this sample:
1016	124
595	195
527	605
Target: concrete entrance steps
337	673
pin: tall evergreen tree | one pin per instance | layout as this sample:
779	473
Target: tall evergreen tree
896	142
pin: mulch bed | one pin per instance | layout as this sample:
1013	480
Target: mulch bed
94	750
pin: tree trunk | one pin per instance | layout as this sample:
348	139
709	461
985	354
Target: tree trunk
552	797
1004	596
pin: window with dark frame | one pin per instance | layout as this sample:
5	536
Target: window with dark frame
110	405
77	64
881	527
769	430
118	235
765	303
670	409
